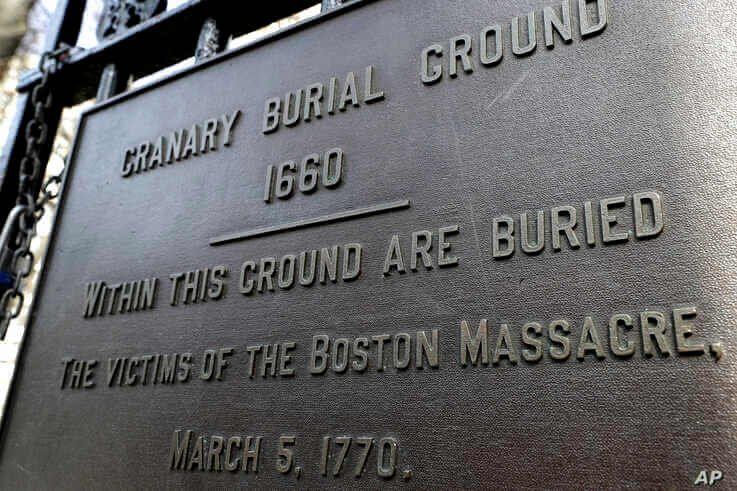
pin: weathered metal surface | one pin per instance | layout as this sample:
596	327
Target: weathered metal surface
609	360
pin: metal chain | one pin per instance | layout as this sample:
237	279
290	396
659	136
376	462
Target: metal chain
29	210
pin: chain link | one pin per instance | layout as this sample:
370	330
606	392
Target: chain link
36	133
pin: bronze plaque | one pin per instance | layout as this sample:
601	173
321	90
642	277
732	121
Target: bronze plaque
415	243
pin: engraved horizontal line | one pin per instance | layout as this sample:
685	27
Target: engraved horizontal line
309	222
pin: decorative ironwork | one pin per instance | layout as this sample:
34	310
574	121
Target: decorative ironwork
331	4
210	42
120	15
